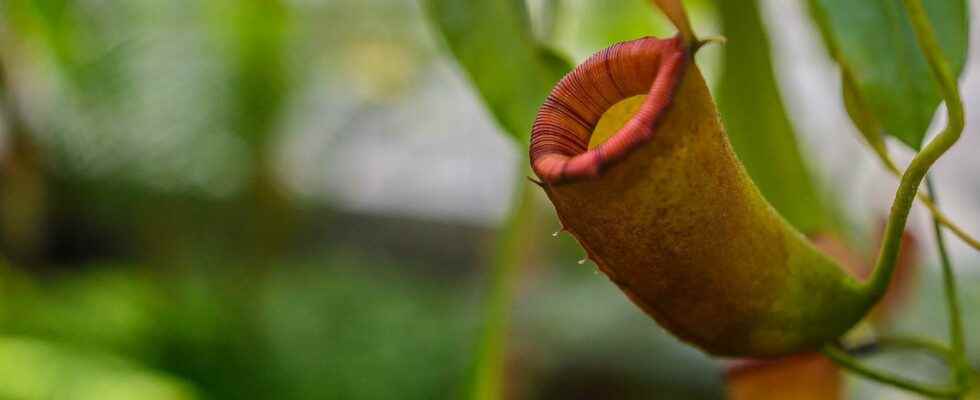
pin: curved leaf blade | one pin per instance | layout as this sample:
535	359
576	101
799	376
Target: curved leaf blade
874	44
493	42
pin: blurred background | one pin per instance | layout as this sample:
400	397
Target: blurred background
298	199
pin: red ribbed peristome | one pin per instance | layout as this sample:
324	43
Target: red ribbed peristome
560	136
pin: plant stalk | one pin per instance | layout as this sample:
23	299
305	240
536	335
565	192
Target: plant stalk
916	172
849	362
955	356
926	201
958	353
512	245
906	194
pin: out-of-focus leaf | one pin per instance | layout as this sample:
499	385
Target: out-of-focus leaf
879	57
38	370
52	23
78	45
104	309
333	333
494	43
587	26
257	33
756	121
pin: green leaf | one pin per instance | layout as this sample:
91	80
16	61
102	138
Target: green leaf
256	34
493	42
756	121
585	27
36	369
874	44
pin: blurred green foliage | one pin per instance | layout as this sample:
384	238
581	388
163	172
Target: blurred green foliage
593	26
39	370
584	27
152	248
308	331
494	43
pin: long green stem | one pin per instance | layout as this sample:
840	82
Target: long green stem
915	173
914	343
512	245
852	364
907	191
958	359
955	356
847	359
928	203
